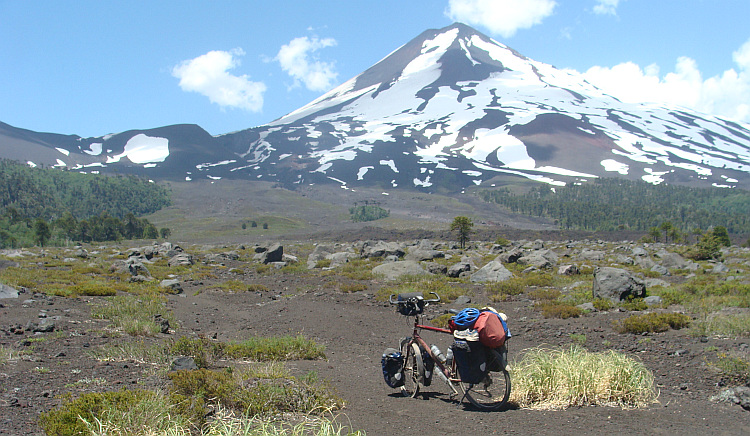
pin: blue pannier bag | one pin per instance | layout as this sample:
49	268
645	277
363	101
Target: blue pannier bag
471	359
393	367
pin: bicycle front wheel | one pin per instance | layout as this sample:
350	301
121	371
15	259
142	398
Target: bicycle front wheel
492	393
413	369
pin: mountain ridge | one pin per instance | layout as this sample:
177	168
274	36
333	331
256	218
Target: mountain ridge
448	110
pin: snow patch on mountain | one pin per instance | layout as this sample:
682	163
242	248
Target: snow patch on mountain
143	149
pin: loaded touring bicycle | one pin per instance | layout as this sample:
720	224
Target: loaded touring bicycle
474	366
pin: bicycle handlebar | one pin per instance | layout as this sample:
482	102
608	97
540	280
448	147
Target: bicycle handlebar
413	297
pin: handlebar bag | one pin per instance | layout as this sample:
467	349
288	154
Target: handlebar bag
471	359
393	367
491	329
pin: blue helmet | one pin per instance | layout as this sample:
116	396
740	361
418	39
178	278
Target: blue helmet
465	318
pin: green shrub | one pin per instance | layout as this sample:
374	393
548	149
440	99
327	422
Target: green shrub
202	350
95	289
232	286
735	368
257	287
349	288
323	263
634	305
557	309
651	322
539	279
544	294
502	241
367	213
500	291
603	304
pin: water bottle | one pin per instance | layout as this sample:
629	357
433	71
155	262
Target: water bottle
449	356
437	353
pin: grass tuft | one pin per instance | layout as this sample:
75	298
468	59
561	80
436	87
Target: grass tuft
135	315
554	379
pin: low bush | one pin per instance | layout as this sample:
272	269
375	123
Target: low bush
544	294
651	323
557	309
500	291
257	287
602	304
634	305
548	379
232	286
349	288
735	369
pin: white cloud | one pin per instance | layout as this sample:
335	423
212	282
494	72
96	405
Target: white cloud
501	17
727	94
209	75
606	7
297	59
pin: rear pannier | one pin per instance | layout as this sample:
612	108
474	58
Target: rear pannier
471	357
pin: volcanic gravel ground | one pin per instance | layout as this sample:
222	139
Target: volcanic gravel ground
355	329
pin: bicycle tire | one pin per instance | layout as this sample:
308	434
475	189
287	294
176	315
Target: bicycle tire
413	369
493	392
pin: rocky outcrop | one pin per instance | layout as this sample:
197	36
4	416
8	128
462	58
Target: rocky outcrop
393	270
616	284
381	249
494	271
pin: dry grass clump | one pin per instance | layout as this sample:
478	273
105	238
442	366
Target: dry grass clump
723	324
6	355
135	316
556	379
651	323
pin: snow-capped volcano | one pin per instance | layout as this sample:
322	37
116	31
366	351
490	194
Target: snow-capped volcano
450	109
454	108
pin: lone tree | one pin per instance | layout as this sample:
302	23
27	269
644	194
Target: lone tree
42	232
463	226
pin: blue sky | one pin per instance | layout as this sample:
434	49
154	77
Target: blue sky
91	67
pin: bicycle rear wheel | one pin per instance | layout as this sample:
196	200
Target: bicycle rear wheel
413	369
493	392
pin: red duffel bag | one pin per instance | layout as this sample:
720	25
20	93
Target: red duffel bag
490	329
